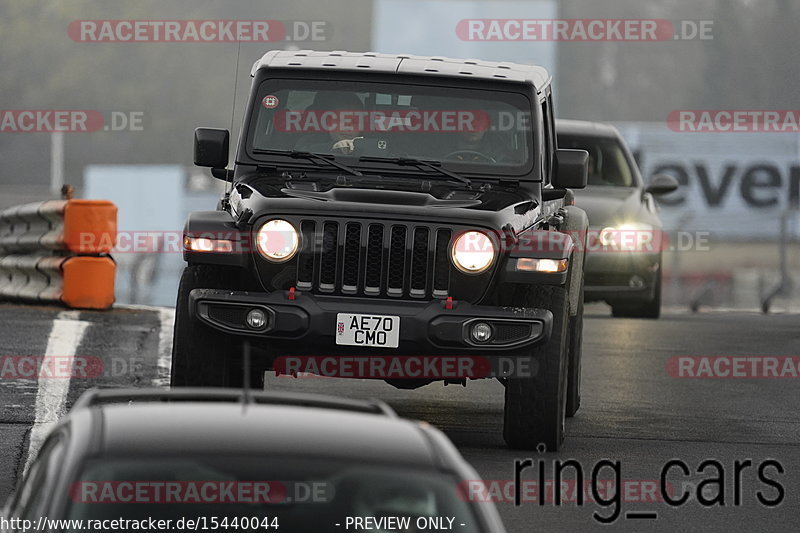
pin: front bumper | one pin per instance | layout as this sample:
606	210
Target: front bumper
306	324
621	276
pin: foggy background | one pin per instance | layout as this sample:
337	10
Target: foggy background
750	63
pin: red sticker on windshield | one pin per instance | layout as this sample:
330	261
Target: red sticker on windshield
270	101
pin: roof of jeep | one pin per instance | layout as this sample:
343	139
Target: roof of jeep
404	64
585	128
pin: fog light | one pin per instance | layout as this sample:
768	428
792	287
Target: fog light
256	318
481	332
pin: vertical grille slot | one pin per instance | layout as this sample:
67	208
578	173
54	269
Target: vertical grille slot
419	263
374	260
352	252
397	261
305	262
441	269
327	271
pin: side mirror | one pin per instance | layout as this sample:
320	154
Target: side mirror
662	184
211	147
571	169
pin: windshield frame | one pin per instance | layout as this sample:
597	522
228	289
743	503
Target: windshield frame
264	80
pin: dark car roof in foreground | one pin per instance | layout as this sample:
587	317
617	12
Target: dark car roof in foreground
584	127
109	423
404	64
218	421
216	428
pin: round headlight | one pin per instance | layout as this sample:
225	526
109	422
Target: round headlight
473	252
277	240
606	237
629	237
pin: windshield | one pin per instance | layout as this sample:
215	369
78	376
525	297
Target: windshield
290	494
608	165
469	131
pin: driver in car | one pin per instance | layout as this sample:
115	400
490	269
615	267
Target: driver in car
478	144
470	146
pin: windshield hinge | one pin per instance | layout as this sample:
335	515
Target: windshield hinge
243	220
266	169
225	202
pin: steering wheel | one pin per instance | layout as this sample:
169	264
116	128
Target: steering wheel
471	156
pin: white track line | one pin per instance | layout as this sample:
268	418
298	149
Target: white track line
51	396
167	316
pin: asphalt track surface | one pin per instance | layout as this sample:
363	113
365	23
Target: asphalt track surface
634	412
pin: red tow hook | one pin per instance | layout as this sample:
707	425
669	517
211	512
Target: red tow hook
448	304
292	294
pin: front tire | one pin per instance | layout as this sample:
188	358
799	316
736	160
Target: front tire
535	406
575	359
201	355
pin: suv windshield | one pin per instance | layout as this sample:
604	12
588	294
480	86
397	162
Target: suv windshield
608	164
467	130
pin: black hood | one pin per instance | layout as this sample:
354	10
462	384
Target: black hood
484	205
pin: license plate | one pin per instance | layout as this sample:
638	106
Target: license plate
380	331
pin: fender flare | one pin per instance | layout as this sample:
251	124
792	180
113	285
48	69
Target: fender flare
538	244
576	224
216	225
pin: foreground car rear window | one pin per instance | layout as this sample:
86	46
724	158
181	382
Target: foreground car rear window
255	493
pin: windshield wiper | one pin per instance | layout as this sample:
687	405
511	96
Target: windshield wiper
409	162
296	154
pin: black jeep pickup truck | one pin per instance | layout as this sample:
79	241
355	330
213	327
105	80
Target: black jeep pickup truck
392	206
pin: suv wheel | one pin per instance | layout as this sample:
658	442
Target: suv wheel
201	355
535	406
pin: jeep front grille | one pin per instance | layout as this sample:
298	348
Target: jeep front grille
370	258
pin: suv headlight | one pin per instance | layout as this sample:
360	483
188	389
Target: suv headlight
277	241
628	237
473	252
